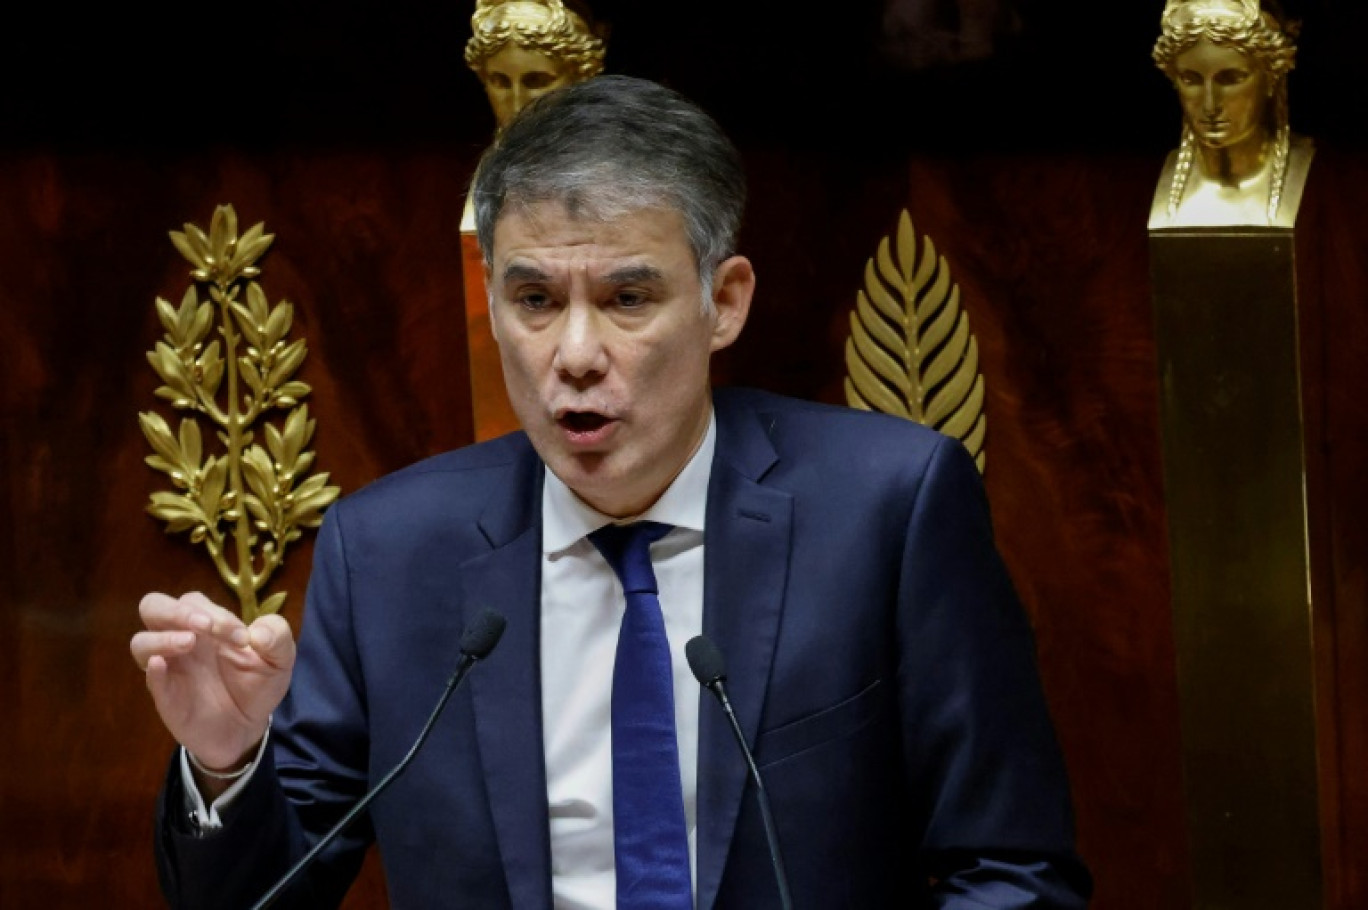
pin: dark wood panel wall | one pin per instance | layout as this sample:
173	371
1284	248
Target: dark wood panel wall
361	146
1333	283
365	251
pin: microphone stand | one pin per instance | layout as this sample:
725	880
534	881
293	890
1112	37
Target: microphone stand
710	670
477	641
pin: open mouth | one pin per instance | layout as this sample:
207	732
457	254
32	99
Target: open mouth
582	421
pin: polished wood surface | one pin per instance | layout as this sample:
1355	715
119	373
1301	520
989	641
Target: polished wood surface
84	254
1333	278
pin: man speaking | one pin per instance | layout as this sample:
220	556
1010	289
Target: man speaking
878	660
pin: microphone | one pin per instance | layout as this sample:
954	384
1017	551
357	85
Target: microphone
479	638
711	672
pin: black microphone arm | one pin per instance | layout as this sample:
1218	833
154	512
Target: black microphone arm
711	672
478	639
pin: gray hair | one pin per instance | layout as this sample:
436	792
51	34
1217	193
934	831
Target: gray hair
612	145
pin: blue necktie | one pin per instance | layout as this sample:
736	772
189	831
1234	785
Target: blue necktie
650	836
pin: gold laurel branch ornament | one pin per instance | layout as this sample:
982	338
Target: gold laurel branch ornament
247	504
910	352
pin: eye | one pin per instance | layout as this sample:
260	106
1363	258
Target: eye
629	300
535	301
498	80
538	79
1232	77
1188	77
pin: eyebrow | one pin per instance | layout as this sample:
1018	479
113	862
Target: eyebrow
634	274
524	273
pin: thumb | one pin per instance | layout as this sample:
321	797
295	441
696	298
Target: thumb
271	638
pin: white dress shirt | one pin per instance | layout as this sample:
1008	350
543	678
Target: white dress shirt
581	610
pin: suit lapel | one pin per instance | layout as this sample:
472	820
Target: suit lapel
506	689
748	539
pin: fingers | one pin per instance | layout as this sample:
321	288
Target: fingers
271	638
204	615
194	612
146	646
175	625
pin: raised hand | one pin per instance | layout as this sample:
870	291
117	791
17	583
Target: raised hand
214	680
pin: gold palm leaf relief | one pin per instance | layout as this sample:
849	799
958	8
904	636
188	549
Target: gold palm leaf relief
911	352
248	504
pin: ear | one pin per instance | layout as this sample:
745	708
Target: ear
733	287
490	307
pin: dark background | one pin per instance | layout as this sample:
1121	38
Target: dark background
351	129
1061	75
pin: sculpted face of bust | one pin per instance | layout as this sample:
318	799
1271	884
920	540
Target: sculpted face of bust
1224	95
1228	60
522	49
515	75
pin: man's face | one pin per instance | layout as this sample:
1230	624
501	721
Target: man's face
515	76
1222	94
605	344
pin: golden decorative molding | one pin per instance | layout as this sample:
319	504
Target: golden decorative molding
910	352
231	501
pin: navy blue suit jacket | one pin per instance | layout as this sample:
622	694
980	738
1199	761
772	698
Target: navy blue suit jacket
878	659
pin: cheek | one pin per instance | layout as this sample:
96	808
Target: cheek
1191	101
519	358
1245	107
677	373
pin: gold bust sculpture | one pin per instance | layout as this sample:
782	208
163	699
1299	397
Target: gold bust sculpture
1238	163
522	49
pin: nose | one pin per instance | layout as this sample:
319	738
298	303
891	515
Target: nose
1211	99
581	357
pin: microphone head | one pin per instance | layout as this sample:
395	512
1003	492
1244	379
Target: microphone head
482	633
705	661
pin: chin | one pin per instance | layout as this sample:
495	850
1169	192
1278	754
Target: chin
586	474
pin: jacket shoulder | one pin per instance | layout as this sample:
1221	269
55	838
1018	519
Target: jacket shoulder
818	427
454	482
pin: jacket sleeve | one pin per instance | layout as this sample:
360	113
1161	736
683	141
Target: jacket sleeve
979	744
312	772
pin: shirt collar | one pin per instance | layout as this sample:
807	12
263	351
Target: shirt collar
566	518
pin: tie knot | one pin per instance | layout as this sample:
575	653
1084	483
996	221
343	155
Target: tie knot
627	548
